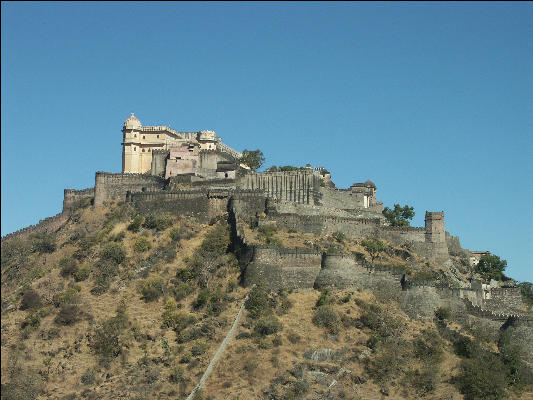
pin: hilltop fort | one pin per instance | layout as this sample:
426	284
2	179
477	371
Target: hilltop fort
195	174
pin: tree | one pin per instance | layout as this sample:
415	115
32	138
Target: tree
373	246
491	267
526	288
253	159
400	216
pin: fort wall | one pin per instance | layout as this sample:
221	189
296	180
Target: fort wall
276	267
47	225
108	186
298	186
71	196
343	272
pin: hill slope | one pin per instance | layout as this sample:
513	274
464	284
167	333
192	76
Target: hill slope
115	305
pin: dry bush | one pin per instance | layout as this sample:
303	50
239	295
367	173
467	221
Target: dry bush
30	300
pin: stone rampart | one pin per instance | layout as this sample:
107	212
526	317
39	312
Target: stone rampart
110	186
505	299
402	234
298	186
190	203
276	267
344	272
47	225
202	204
71	196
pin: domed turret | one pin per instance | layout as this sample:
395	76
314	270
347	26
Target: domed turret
369	183
132	122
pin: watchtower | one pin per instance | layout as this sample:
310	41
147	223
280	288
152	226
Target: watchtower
435	227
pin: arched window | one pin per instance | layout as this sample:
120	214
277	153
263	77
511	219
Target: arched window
158	136
134	135
135	149
144	137
143	150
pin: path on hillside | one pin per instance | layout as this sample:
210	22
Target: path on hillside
220	350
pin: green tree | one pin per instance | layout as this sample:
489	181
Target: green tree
491	267
373	246
526	288
253	159
400	216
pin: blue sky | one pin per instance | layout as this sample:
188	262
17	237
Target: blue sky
431	101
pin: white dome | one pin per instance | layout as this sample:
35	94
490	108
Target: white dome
132	122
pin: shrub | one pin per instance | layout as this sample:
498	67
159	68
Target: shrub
71	295
88	377
177	374
428	347
217	303
184	275
327	317
257	302
293	337
165	254
82	273
339	236
297	389
159	222
201	299
23	386
141	245
379	320
32	320
113	252
199	348
135	224
119	237
43	243
68	266
483	378
179	233
182	290
443	313
388	362
323	299
101	285
68	314
105	339
268	326
152	288
465	347
106	269
176	320
423	382
30	300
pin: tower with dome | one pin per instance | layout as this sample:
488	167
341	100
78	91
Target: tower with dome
139	143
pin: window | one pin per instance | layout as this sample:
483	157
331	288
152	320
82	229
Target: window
134	135
143	150
158	136
144	137
135	149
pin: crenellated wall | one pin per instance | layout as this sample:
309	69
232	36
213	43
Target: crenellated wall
108	186
47	225
71	196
